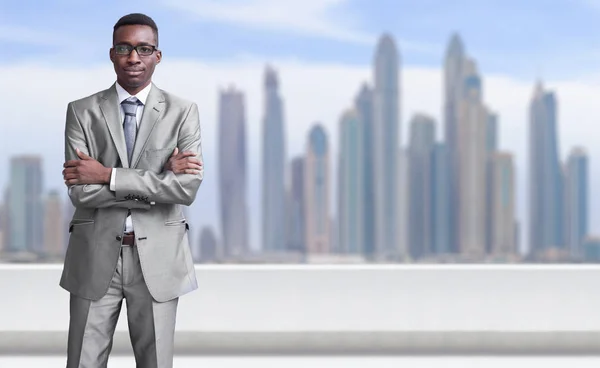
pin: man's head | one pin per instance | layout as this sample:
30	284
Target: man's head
135	51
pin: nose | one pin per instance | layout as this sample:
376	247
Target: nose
133	57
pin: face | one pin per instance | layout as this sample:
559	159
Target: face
134	71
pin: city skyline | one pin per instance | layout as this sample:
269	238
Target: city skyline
473	119
421	86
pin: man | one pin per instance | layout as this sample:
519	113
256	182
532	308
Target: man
133	156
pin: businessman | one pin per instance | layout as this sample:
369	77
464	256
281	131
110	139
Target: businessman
133	157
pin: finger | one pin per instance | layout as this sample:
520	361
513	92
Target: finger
194	160
72	181
175	152
82	155
72	163
191	171
70	176
193	166
186	154
70	170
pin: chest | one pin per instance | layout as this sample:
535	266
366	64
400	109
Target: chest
156	136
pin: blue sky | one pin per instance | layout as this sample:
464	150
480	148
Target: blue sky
557	38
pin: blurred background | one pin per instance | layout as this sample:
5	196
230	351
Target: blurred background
333	131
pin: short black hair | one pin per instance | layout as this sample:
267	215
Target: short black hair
136	19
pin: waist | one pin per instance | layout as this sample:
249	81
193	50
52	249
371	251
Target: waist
128	239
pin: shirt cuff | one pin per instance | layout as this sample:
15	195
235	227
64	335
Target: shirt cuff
113	185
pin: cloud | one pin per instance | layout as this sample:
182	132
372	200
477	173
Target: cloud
329	19
33	118
323	18
592	4
30	36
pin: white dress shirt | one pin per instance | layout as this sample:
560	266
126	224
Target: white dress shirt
123	95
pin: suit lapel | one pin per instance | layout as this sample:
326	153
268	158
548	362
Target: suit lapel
110	110
152	111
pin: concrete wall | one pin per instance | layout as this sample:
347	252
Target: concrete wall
346	309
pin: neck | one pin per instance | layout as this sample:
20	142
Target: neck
134	90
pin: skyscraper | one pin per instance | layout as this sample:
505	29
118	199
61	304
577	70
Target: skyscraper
273	161
591	249
316	189
364	108
25	206
453	95
545	184
576	201
503	205
3	226
386	128
209	249
491	148
440	199
54	234
471	139
403	204
232	172
422	140
296	208
6	221
350	182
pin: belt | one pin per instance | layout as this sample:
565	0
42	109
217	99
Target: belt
128	239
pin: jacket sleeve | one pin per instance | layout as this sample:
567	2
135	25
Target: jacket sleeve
166	187
89	195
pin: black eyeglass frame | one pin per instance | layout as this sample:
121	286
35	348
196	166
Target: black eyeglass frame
137	48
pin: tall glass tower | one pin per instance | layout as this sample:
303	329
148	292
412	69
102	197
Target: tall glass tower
386	137
273	165
350	176
546	180
232	173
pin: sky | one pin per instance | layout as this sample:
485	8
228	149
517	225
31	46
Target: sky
550	38
55	52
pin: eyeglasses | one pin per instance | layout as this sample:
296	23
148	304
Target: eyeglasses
142	50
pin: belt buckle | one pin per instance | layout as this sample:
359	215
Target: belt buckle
129	236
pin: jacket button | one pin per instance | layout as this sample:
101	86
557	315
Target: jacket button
119	238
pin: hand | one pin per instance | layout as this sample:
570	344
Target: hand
183	163
85	171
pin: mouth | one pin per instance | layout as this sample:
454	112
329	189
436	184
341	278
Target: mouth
133	72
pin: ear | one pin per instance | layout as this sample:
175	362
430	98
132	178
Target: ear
111	54
158	56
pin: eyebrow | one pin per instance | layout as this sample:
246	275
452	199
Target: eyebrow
139	44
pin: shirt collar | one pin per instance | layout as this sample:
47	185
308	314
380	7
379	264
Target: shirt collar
142	95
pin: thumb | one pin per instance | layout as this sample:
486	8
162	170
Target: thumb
175	152
82	155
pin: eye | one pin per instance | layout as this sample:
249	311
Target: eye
145	50
122	49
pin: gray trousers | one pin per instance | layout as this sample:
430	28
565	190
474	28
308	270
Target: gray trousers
151	324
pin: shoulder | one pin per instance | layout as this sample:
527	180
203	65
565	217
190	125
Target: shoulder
90	100
175	101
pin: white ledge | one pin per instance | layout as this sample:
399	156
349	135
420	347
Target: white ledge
341	309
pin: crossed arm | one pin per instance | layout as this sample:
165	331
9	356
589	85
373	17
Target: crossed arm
88	180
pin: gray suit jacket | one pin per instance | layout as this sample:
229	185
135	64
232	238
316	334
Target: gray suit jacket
154	196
